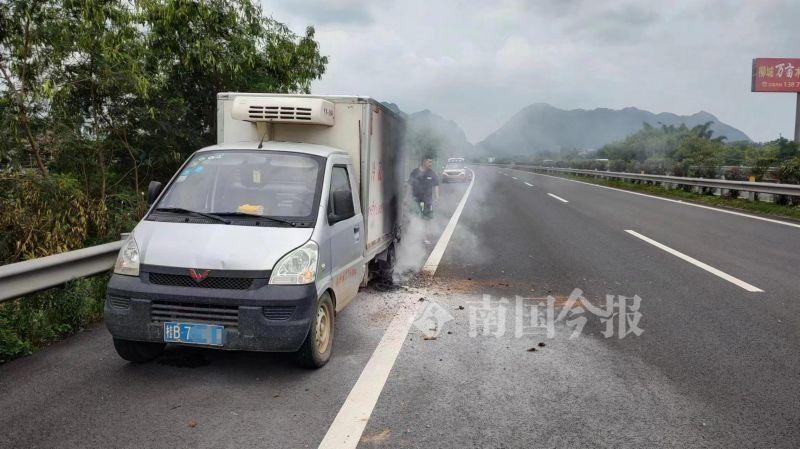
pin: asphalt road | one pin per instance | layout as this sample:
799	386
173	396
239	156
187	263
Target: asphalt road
715	365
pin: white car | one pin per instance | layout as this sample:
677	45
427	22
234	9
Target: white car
456	171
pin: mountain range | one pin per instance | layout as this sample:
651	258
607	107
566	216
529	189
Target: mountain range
540	127
447	133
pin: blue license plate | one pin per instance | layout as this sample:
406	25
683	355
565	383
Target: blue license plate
193	333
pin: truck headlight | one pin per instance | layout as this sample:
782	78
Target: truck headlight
298	267
128	258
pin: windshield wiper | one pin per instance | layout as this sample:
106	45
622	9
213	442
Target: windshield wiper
180	210
265	217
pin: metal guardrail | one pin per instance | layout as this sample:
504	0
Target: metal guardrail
21	278
744	186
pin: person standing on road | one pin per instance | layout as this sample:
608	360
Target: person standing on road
424	190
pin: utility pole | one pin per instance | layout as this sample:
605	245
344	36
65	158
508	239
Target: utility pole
797	120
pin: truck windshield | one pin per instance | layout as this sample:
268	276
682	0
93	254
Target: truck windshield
242	183
454	166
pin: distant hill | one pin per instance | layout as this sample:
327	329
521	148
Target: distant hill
427	129
451	138
540	127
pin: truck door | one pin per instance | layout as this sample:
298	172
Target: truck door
347	233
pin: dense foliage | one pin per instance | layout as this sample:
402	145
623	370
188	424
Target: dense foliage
97	97
683	151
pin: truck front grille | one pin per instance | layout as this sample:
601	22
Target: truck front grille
278	312
161	311
179	280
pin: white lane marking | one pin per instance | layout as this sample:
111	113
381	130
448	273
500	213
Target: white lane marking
349	424
346	429
529	184
732	212
505	174
514	177
558	198
693	261
438	251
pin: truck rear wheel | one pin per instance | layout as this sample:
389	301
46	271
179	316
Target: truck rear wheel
138	351
385	268
316	349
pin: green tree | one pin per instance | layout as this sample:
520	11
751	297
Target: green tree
95	88
109	94
201	48
699	155
27	45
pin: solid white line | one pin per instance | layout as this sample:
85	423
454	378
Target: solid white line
529	184
693	261
438	251
558	198
346	429
732	212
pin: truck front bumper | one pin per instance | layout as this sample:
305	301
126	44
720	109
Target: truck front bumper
273	318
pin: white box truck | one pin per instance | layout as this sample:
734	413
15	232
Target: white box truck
256	242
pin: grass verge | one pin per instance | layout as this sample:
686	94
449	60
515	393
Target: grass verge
36	320
742	205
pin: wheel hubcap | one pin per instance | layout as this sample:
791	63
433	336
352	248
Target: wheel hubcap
323	329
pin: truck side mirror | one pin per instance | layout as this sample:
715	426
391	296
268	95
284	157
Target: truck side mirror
153	190
342	206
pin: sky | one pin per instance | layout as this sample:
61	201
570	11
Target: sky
478	63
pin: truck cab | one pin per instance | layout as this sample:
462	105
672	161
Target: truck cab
254	245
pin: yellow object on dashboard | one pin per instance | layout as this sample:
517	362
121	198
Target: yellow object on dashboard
251	209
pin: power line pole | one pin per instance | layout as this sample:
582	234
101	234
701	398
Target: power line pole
797	120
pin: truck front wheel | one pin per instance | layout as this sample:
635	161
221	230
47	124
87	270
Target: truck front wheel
316	349
138	351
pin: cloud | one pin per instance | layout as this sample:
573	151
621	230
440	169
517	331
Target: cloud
478	62
331	12
621	24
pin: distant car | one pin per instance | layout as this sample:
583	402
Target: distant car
456	172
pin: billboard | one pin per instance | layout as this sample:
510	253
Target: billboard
776	75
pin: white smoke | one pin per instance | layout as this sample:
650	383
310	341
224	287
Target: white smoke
413	251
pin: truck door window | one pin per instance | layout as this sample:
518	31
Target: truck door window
340	182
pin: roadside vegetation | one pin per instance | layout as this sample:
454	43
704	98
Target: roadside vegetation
682	151
98	98
689	152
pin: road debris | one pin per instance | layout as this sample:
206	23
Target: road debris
379	437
